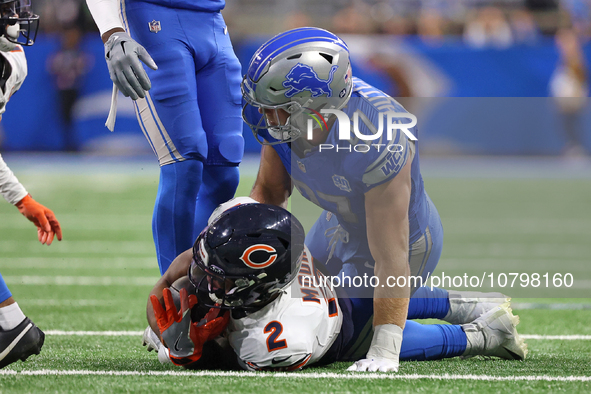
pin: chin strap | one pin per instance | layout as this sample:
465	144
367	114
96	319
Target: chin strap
110	123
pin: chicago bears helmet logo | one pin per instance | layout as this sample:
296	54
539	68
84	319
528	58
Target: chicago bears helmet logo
247	256
303	77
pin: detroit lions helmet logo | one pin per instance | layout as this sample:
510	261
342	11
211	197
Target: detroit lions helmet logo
303	77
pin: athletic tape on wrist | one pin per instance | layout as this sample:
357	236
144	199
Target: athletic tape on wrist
386	342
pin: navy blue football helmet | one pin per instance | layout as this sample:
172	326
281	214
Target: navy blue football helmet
247	255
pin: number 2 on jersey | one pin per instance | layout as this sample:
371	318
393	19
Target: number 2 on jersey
275	329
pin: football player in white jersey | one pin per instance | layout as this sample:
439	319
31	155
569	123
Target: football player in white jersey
251	260
19	337
284	316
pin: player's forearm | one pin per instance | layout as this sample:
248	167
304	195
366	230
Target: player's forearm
106	16
388	237
10	188
392	269
266	195
391	303
273	183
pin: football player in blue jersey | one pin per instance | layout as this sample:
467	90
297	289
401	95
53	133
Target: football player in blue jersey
252	259
191	116
378	217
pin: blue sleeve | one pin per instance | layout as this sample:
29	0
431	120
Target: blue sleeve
386	157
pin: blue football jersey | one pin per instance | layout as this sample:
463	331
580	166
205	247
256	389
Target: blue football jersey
337	179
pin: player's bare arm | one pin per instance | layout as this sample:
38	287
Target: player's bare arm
178	268
388	235
273	183
386	209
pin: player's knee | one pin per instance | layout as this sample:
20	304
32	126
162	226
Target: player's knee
223	180
181	177
190	140
232	148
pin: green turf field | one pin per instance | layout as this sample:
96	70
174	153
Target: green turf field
96	281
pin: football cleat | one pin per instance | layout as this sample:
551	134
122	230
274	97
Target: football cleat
495	334
152	342
467	306
20	342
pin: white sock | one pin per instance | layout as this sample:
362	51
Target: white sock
11	316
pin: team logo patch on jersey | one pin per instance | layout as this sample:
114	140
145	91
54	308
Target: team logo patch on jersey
303	77
155	26
393	163
259	256
302	167
341	183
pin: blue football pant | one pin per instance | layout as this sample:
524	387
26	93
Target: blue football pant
182	208
190	117
419	341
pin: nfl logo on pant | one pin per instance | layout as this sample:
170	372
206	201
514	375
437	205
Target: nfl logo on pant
154	26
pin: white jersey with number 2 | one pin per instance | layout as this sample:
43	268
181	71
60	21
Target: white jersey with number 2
294	330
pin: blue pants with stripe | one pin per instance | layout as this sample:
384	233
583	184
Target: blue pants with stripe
191	118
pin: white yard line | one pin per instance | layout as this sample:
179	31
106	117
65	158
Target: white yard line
68	263
67	303
370	376
552	306
134	333
81	280
558	337
94	333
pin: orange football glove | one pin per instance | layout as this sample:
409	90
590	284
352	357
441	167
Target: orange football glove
42	217
183	338
200	334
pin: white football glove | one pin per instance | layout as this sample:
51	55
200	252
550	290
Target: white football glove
123	55
384	352
374	365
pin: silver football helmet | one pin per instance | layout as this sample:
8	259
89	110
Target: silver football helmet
300	71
